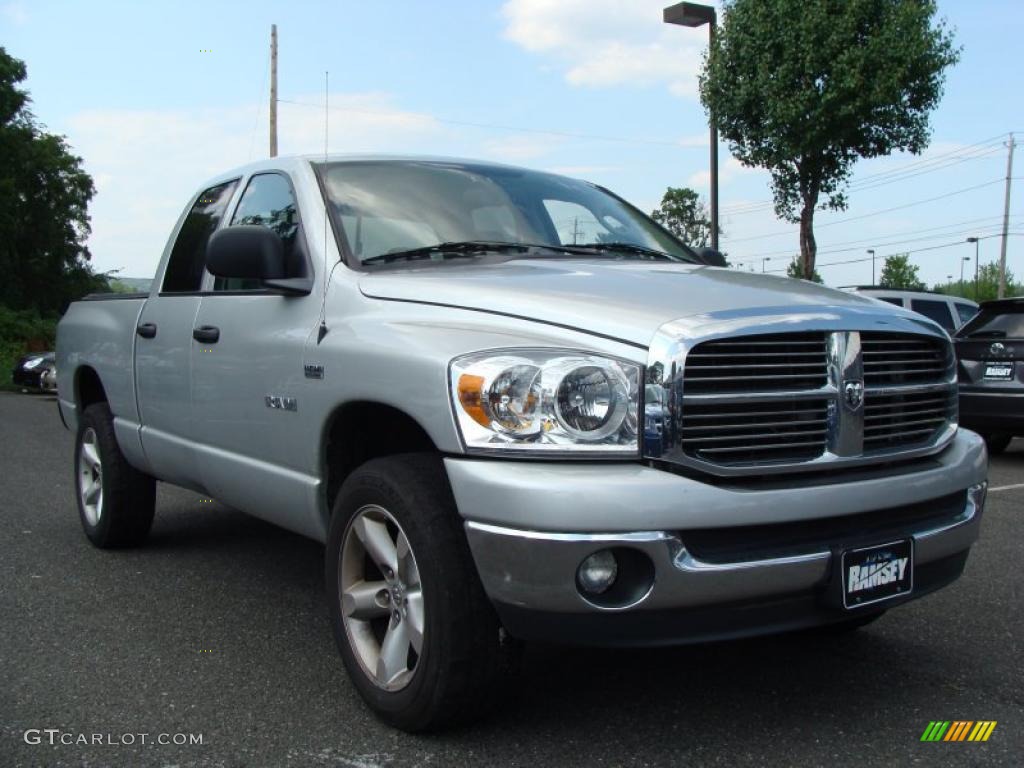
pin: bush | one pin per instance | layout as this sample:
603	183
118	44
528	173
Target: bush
22	332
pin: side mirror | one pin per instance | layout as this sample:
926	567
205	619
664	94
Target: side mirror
246	251
711	257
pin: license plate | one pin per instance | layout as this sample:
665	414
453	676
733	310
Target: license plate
881	572
999	371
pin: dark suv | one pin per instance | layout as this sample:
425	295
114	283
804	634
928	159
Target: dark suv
990	348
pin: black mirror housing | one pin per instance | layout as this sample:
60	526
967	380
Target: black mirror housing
711	257
246	251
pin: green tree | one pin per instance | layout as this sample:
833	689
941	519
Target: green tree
685	215
44	198
987	287
803	88
898	272
795	269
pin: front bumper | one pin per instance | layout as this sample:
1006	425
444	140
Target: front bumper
530	525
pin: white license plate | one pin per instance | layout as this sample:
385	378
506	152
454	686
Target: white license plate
999	371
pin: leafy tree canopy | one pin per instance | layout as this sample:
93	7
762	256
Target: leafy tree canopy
685	215
804	88
44	198
987	286
795	269
898	272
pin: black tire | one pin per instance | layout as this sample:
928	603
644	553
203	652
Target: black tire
997	442
128	497
465	656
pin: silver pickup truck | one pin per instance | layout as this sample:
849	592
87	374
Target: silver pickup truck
513	407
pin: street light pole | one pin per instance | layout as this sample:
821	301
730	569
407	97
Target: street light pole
697	15
975	241
965	258
763	260
872	252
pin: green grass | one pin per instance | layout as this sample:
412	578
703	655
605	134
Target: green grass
22	332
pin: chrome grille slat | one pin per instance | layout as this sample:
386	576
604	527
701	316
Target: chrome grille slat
774	400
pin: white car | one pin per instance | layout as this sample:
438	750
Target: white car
950	312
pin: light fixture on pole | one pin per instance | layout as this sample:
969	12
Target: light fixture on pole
697	15
872	252
975	241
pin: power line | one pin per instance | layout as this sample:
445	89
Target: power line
873	213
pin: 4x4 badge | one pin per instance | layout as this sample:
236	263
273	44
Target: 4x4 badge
853	394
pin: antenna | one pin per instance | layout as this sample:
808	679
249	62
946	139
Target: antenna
327	278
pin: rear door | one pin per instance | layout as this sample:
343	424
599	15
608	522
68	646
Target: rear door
163	345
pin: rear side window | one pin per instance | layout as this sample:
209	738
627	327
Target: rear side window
965	311
936	310
188	257
268	200
1009	325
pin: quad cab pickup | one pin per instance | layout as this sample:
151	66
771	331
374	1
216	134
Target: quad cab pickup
513	407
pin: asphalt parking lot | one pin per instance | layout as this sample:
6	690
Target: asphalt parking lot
218	627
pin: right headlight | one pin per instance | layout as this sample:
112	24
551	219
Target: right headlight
546	401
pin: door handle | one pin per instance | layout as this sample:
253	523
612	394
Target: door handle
207	334
146	330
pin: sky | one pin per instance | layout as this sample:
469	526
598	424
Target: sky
156	97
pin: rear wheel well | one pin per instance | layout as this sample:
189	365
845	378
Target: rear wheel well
358	432
89	388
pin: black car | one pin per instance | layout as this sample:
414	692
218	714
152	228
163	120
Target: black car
990	350
36	371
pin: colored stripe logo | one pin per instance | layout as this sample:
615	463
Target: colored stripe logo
958	730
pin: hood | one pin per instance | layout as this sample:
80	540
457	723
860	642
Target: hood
628	301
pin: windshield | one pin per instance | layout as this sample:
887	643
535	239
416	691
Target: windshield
389	207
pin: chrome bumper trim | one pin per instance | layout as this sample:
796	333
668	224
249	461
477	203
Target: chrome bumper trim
537	569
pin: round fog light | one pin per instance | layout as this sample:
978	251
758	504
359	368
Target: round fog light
597	573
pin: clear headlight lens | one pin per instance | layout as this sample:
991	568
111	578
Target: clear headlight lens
546	400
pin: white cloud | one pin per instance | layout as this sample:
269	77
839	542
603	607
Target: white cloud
727	171
600	43
146	163
520	147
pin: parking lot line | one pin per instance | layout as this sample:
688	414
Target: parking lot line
1006	487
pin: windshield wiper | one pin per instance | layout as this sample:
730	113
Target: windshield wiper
461	248
626	248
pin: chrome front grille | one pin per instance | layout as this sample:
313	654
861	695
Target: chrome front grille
761	431
758	364
795	401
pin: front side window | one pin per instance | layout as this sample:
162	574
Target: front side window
395	206
268	201
935	310
188	256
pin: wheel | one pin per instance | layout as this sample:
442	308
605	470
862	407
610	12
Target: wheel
115	500
418	636
997	442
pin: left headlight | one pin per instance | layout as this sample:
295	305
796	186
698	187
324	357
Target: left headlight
546	401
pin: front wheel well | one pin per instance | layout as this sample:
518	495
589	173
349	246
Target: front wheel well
360	431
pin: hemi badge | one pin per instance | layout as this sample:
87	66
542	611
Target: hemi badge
313	370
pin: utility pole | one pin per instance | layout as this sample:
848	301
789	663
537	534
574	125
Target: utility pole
273	90
1006	220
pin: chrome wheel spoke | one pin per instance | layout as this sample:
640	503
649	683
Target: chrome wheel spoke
363	602
92	492
378	544
91	455
414	618
407	570
394	653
